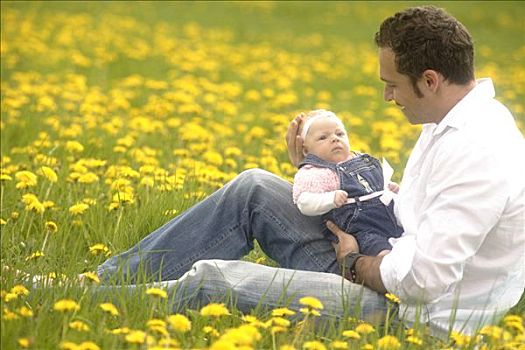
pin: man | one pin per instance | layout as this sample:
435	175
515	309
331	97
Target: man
458	265
462	197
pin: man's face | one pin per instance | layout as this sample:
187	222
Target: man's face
399	88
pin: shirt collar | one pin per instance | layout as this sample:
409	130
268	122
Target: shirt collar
455	118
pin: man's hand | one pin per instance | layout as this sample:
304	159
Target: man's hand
340	198
294	141
367	267
347	242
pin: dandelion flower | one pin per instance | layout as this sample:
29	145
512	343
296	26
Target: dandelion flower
157	292
215	310
136	337
24	311
25	179
66	305
23	342
364	328
19	290
68	345
78	209
392	297
79	326
35	255
314	345
48	173
179	322
311	302
109	308
414	340
282	311
88	345
338	344
388	342
211	331
351	334
92	276
99	248
51	226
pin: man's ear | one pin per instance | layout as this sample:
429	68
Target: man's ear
305	150
431	80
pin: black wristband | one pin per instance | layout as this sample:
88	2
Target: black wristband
348	266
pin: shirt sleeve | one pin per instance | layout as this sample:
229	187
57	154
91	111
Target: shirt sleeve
427	264
313	204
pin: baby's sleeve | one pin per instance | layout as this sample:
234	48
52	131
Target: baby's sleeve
313	190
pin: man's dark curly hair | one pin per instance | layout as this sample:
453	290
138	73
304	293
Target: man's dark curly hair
427	37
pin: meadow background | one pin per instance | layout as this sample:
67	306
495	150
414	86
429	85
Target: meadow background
117	116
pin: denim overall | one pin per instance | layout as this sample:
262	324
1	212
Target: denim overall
370	221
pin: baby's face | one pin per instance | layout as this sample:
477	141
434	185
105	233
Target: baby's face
327	139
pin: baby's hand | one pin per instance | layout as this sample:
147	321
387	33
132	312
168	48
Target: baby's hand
394	187
340	198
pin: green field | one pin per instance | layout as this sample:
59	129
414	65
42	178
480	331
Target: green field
141	109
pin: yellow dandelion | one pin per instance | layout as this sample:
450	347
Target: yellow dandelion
136	337
25	179
367	347
179	323
211	331
338	344
19	290
109	308
412	339
280	321
5	177
388	342
35	255
313	345
74	147
311	302
24	311
92	276
287	347
309	311
23	342
214	310
78	209
68	345
99	248
9	315
2	221
48	173
392	297
51	226
157	292
79	326
88	345
364	328
117	331
66	305
282	311
9	296
351	334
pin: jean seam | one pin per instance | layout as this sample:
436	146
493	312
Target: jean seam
194	258
268	214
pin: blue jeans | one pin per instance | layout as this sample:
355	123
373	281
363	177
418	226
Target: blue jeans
255	205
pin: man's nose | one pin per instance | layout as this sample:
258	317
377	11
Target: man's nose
387	94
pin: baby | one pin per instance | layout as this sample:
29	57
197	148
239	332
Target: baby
345	186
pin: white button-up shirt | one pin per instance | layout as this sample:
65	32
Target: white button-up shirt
461	262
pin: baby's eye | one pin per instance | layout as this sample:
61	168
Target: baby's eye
340	134
322	137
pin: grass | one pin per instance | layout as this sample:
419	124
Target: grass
166	102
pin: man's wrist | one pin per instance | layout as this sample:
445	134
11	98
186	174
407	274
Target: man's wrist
348	266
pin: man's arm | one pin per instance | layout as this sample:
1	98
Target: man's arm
366	267
368	273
